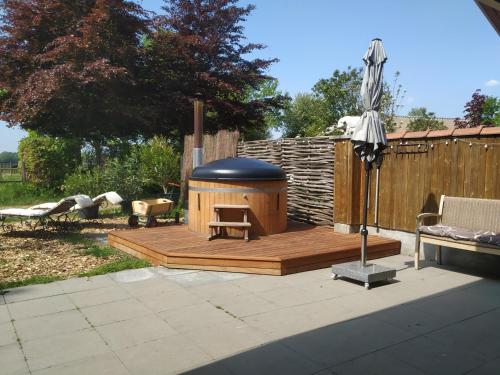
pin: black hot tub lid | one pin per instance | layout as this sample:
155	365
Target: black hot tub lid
238	169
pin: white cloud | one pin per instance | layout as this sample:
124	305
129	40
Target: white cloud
492	82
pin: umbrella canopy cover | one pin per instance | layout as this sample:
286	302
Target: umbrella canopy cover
369	136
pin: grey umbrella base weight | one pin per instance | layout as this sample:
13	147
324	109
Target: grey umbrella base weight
366	274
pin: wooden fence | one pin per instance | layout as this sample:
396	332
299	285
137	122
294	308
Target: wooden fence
11	172
309	164
415	173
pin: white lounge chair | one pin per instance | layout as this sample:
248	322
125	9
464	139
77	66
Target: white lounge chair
92	212
44	213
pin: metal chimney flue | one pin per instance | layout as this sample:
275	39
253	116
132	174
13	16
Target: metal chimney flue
198	132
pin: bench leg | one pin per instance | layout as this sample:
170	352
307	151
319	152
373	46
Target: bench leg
438	254
417	249
246	234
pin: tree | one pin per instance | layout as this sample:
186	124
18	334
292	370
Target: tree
305	117
8	157
69	68
491	111
197	47
473	110
334	98
423	120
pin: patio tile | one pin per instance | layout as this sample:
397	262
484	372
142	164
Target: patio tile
115	311
293	296
170	355
261	283
377	363
213	368
243	305
135	331
164	271
12	360
488	289
66	347
195	278
40	306
7	334
102	364
134	275
344	341
221	340
77	284
459	305
49	325
479	335
98	296
4	314
410	319
434	358
150	287
171	299
490	368
196	316
223	290
273	358
29	292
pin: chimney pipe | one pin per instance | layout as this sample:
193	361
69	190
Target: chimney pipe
198	132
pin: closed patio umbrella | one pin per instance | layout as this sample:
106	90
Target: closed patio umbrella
369	141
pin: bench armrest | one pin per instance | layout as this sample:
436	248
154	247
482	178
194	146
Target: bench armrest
420	217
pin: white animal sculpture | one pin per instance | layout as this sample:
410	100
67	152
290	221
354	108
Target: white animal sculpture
348	124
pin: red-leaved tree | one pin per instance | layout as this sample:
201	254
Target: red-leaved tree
69	68
473	110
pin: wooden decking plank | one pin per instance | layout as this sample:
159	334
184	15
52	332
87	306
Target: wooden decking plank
302	247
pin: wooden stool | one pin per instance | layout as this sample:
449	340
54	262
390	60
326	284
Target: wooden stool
216	225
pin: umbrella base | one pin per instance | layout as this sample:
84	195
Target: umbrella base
369	274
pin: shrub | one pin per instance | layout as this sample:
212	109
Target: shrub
47	160
123	176
160	163
82	181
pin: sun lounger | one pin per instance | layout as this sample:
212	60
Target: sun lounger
44	213
92	212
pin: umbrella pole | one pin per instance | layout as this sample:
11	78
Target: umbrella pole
377	184
364	231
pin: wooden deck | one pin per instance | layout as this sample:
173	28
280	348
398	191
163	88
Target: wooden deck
302	248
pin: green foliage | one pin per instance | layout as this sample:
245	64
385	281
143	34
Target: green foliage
47	160
305	116
39	279
8	157
89	182
159	162
23	194
334	98
124	263
491	111
341	94
100	251
423	120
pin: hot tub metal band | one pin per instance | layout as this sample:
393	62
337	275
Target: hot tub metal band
237	190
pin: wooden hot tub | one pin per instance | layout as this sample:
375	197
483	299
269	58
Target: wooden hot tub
239	181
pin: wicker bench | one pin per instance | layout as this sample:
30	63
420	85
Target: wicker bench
463	223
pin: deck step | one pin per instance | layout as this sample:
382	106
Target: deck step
229	224
235	206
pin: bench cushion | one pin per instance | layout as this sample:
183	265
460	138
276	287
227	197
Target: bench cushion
457	233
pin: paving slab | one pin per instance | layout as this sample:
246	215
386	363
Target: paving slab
490	368
345	341
170	355
196	317
12	360
101	364
222	340
31	292
77	284
274	358
168	300
243	305
50	325
135	331
40	306
434	358
134	275
4	314
114	311
92	297
62	348
7	334
378	363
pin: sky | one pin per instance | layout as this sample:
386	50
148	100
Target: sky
444	50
